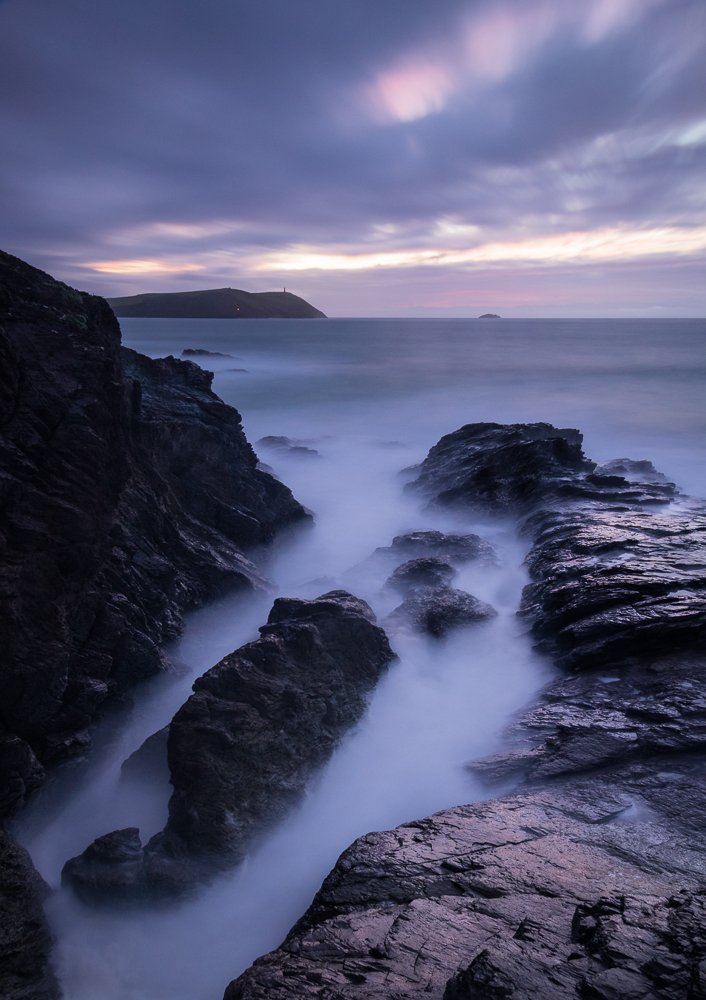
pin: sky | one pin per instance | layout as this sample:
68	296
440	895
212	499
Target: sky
377	157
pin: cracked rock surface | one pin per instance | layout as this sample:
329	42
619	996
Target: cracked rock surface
588	879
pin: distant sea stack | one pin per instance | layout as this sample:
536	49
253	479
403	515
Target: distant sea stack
215	303
484	316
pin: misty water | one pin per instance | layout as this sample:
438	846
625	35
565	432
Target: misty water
371	396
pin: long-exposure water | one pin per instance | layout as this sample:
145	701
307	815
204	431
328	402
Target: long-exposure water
371	396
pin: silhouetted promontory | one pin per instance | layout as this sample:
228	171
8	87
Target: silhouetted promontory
215	303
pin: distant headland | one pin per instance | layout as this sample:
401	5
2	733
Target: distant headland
215	303
484	316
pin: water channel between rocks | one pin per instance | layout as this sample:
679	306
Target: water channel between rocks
368	412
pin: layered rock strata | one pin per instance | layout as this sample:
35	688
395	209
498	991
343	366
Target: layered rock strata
588	880
244	745
128	494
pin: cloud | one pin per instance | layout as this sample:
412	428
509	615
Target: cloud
148	143
601	245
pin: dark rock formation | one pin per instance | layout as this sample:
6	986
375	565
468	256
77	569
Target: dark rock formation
287	446
128	494
417	574
436	611
25	939
244	745
501	469
489	316
547	893
198	352
216	303
457	549
430	604
589	879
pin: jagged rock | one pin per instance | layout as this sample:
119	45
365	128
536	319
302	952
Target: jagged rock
243	746
25	938
588	879
421	574
542	894
128	494
457	549
501	469
288	446
588	721
437	610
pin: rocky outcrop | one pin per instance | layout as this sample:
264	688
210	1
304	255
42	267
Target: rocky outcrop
128	494
430	605
552	892
588	879
436	611
25	939
244	745
455	549
216	303
292	447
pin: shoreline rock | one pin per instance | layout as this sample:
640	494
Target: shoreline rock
588	879
243	747
129	494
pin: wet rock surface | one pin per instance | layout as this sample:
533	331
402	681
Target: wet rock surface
25	938
421	574
128	494
243	746
436	611
588	879
456	549
430	605
549	892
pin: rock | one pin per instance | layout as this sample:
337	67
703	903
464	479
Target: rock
25	938
500	469
587	880
216	303
243	747
129	494
418	574
198	352
457	549
437	610
288	446
544	893
489	316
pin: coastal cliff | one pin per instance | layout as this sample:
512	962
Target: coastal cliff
215	303
128	494
587	877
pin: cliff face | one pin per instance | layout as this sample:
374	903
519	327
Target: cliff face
216	303
128	494
587	880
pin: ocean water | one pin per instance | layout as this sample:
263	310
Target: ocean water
371	397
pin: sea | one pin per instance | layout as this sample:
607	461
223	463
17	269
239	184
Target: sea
367	398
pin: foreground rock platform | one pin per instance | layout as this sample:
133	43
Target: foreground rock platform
243	747
589	879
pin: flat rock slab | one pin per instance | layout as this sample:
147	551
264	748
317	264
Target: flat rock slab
545	893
